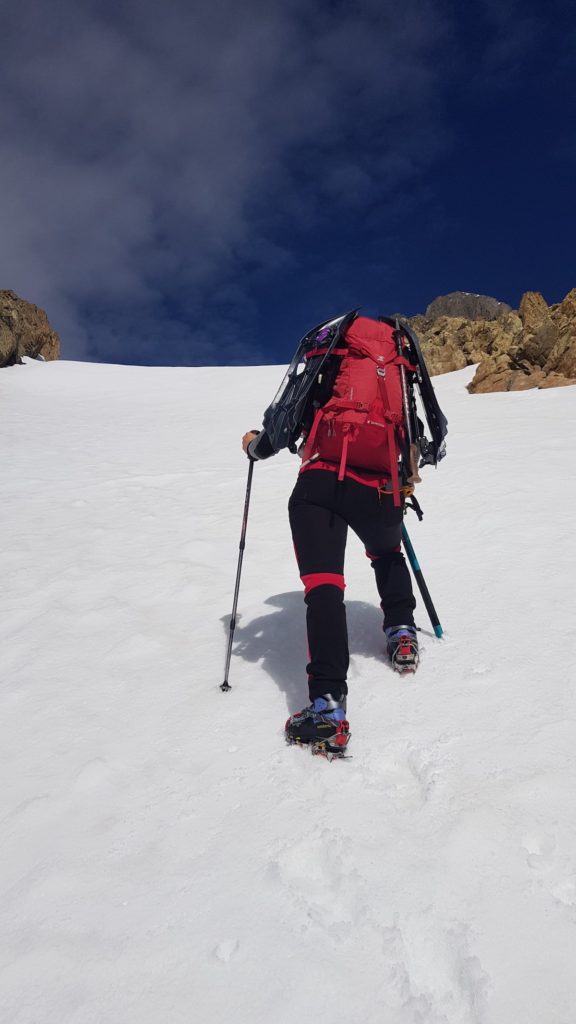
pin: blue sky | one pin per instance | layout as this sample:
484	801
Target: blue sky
199	183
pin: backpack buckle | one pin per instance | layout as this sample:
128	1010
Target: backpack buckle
381	371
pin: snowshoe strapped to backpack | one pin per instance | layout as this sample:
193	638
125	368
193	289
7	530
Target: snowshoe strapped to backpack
292	408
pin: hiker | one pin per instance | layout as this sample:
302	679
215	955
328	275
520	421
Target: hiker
355	472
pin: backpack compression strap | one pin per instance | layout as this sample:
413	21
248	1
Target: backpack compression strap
314	428
402	361
323	351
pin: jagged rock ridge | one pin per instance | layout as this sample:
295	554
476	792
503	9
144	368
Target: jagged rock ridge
24	331
534	346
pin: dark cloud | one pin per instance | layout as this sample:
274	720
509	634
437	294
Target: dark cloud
154	160
514	33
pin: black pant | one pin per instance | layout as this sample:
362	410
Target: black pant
321	510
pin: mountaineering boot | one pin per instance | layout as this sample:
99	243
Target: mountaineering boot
402	646
323	726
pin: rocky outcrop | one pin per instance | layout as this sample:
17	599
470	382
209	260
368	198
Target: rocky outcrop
24	331
533	347
467	305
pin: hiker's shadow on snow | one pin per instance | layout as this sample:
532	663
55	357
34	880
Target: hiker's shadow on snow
278	641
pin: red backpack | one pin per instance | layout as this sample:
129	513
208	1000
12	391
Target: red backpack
362	423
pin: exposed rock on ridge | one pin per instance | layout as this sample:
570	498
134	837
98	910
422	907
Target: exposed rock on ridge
533	347
467	305
24	331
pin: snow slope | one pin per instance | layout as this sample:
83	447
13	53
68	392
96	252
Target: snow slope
165	858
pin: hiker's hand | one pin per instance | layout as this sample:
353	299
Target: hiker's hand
248	437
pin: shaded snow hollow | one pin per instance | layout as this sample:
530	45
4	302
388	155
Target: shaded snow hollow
165	858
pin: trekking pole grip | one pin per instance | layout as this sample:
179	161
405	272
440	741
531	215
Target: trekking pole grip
225	686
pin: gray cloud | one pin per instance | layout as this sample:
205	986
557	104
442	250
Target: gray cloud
149	155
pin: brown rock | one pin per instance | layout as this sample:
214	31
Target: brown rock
493	374
556	380
511	323
24	331
8	345
524	380
533	310
536	347
445	345
562	358
499	373
567	307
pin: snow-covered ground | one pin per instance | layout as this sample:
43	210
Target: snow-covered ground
166	859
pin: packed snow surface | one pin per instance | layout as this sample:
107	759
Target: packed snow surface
166	859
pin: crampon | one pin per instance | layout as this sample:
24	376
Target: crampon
403	648
323	749
322	728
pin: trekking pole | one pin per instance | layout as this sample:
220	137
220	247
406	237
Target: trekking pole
421	583
225	686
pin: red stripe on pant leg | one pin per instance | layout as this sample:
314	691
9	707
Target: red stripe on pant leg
319	579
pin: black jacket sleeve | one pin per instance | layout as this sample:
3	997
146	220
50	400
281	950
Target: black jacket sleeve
260	447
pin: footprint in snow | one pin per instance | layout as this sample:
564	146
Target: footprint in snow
225	950
553	866
92	774
318	875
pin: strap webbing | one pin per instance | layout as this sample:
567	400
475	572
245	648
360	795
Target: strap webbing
343	457
322	352
314	428
393	463
402	361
